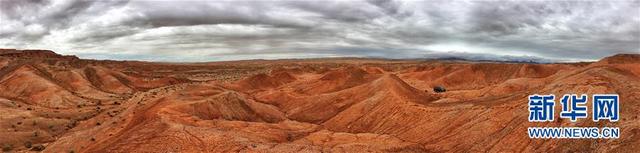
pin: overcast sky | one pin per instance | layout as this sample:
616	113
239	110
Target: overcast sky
208	30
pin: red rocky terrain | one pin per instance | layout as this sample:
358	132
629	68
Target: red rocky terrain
56	103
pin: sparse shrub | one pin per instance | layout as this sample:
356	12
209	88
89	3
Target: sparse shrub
72	124
38	147
27	144
35	134
7	147
439	89
290	137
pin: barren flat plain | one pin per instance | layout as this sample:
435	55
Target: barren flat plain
55	103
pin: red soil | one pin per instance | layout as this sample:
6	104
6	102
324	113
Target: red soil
320	105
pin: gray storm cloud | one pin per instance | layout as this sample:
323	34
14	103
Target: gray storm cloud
231	30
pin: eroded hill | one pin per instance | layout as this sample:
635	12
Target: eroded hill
62	103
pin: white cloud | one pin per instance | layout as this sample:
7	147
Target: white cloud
35	30
218	30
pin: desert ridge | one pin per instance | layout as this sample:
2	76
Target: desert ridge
63	103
